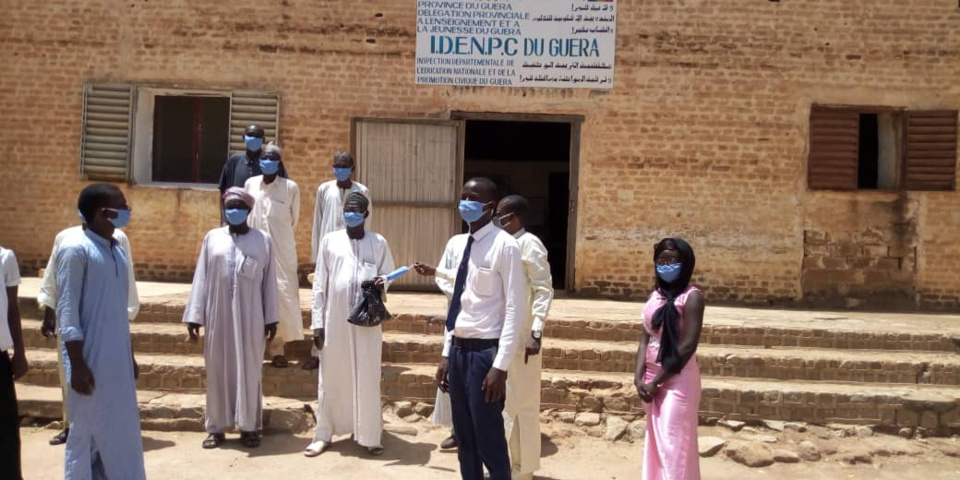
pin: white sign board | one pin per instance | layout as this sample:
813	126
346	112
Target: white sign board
516	43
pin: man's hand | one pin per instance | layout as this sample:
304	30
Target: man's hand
49	326
494	385
81	379
19	365
379	283
136	368
441	378
270	331
193	329
425	270
533	349
318	337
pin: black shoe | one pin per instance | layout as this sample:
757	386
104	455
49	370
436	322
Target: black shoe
61	438
312	364
214	440
449	443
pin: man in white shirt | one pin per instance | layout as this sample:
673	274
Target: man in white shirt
328	214
522	409
445	275
484	317
47	298
11	337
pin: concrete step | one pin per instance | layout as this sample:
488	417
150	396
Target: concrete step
782	363
934	408
165	411
826	331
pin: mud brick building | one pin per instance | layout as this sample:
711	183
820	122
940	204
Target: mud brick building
806	149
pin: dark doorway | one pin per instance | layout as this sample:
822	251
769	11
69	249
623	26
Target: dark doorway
531	159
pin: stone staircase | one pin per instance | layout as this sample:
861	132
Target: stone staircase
889	371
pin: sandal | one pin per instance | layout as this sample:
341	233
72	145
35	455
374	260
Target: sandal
279	361
250	439
375	451
316	448
312	364
214	440
61	438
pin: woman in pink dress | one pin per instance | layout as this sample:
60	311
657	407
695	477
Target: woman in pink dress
667	377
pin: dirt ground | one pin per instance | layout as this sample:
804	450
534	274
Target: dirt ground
173	455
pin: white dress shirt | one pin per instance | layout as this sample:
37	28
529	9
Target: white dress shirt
494	295
539	280
47	298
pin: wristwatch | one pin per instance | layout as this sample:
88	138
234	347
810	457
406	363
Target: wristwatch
537	334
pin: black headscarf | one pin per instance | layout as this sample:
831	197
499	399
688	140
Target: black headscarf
667	317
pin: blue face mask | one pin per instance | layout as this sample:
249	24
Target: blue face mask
669	273
252	143
236	216
471	210
269	166
353	219
123	218
342	173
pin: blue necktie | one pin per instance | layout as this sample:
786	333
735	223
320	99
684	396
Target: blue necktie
454	310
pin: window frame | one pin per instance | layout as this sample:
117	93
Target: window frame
901	158
141	161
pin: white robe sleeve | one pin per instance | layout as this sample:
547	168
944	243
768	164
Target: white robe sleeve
271	295
47	298
385	263
294	204
320	277
447	271
541	282
133	296
196	308
71	263
510	266
317	235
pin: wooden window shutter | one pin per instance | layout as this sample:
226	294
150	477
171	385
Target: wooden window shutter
834	144
246	108
930	150
107	126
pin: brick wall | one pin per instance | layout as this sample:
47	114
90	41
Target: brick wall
703	136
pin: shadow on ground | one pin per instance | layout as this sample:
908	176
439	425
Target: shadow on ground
151	444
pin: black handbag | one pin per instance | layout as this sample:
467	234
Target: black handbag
370	311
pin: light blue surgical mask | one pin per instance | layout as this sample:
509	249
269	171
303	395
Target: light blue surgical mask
471	210
353	219
123	218
82	219
236	216
669	273
269	166
252	143
342	173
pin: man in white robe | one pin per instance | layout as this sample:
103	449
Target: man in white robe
234	298
276	212
47	299
521	414
350	355
92	284
328	213
445	275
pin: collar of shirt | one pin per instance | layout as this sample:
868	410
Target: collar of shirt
520	233
103	242
484	231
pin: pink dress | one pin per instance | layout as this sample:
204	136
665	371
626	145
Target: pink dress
671	451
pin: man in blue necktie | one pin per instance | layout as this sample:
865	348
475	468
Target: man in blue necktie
483	325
